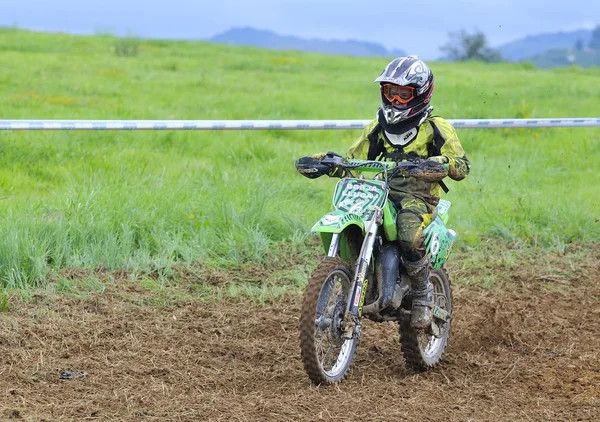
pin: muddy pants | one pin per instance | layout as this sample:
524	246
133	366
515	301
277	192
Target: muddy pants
414	215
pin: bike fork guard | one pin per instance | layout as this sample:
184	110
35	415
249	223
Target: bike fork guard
360	290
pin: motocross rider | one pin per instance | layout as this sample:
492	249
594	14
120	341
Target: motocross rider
405	130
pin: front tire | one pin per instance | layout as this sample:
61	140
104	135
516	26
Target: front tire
322	323
423	351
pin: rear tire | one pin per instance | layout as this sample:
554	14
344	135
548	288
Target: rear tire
423	351
321	321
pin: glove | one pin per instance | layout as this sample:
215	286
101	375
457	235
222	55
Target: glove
442	159
311	167
429	170
334	160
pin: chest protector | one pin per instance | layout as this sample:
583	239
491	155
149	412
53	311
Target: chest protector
377	149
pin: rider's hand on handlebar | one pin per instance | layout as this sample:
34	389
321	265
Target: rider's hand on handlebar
335	161
428	170
442	159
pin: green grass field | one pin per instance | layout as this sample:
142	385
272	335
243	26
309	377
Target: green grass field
146	200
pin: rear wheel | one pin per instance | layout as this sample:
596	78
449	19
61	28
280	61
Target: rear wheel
421	349
326	354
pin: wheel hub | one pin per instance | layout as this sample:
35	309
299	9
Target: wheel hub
337	326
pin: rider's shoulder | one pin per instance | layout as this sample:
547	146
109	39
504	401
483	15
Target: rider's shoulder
437	119
443	124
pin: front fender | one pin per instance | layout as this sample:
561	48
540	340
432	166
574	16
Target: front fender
336	222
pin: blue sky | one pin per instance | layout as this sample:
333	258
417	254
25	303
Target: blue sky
418	27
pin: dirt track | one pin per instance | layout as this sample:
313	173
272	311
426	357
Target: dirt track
526	350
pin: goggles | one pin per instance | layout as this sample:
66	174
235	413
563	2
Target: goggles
402	94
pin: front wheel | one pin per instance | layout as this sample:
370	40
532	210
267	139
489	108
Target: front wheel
421	349
326	354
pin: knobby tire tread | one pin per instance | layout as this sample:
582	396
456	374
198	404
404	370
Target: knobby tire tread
307	319
409	340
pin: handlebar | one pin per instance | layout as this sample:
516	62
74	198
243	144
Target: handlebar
417	167
368	165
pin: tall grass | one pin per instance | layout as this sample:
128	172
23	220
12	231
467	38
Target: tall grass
146	200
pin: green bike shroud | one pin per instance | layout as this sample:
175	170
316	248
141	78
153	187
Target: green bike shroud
438	239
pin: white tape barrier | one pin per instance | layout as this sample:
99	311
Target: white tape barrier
272	124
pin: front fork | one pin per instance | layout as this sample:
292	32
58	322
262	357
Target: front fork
360	283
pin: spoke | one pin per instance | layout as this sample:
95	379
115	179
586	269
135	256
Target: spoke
326	336
327	358
319	346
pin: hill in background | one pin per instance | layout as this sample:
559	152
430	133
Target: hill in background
534	45
544	50
566	57
268	39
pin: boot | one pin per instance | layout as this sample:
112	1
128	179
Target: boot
422	293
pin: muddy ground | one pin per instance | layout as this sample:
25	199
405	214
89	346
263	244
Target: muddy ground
526	349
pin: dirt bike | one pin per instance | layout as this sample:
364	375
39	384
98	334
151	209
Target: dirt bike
363	276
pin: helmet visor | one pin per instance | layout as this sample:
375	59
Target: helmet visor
401	94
